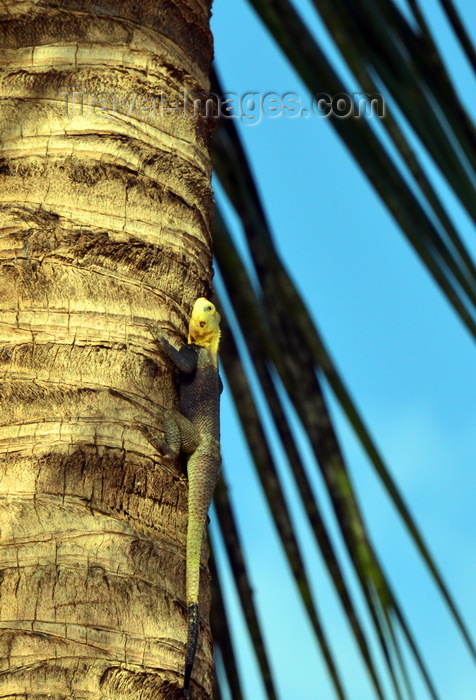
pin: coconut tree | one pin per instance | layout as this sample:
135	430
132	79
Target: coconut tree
105	217
106	213
390	52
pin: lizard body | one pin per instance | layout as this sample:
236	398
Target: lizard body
196	431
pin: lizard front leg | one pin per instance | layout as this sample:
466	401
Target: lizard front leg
184	359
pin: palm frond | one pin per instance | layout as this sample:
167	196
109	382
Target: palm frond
288	356
230	165
309	403
270	481
460	31
380	42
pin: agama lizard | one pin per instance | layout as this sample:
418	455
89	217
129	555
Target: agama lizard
196	431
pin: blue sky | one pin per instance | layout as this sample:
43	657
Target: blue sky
407	361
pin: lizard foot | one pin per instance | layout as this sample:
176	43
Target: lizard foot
162	447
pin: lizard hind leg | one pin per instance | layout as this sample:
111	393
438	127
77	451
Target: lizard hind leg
180	434
192	638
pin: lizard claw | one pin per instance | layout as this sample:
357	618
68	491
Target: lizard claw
162	447
155	331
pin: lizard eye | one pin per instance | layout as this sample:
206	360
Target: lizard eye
202	324
208	308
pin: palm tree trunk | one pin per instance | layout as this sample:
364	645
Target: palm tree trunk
105	207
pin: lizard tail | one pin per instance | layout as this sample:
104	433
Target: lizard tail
202	475
194	540
192	638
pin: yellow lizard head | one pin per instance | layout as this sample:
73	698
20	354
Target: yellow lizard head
204	329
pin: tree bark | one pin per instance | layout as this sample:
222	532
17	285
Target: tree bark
105	207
